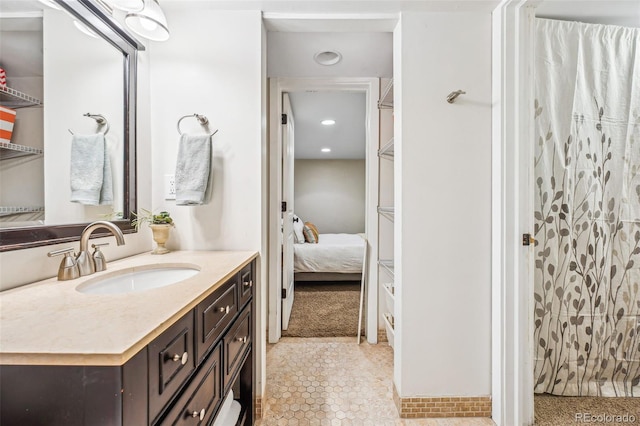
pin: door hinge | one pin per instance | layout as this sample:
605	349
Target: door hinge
527	240
284	293
284	206
284	118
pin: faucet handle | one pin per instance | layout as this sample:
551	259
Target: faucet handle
68	269
98	257
60	252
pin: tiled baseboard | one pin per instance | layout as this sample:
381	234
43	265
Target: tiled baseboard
450	406
382	335
258	408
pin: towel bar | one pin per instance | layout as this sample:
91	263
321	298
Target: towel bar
100	119
202	119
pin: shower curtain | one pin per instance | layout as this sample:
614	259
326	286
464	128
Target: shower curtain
587	209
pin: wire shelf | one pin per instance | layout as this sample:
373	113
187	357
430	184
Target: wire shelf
12	150
13	98
386	100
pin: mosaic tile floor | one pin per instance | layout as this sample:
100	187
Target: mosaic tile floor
334	381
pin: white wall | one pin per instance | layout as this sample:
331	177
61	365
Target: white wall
211	65
331	194
442	199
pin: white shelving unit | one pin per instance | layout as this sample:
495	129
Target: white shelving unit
386	211
15	99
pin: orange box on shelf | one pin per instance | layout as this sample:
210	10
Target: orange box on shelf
7	119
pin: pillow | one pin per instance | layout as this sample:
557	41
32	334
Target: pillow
298	225
310	234
314	231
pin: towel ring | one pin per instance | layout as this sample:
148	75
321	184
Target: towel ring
202	119
100	119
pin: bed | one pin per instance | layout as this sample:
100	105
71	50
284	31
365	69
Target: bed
335	257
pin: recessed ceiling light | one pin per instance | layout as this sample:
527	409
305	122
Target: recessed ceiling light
327	57
326	150
328	122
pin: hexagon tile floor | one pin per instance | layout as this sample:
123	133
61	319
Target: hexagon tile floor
334	381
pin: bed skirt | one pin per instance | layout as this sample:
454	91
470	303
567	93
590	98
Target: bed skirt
327	276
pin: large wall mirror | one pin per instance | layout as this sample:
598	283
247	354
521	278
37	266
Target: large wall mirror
62	64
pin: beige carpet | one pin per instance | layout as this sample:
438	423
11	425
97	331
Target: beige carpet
324	309
551	410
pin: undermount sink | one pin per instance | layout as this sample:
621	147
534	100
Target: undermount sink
137	279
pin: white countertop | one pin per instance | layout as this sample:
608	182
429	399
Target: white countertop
50	323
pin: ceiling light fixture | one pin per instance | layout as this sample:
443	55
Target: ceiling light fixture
50	4
328	122
326	150
127	5
327	57
83	28
150	22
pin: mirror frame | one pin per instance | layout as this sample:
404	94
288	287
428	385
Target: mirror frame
92	14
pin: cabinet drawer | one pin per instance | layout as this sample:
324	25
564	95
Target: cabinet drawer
236	342
245	284
214	313
171	361
201	397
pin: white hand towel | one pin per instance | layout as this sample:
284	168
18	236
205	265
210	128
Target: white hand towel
225	408
106	192
192	169
87	168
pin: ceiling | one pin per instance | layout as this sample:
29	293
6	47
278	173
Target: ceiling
346	138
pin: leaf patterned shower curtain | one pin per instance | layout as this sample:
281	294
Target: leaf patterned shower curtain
587	209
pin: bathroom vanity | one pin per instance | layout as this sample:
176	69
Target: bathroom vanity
163	356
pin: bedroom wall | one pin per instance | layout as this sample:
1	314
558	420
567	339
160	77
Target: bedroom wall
443	205
331	194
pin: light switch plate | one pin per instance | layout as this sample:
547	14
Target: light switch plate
169	187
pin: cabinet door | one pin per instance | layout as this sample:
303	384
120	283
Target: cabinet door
214	313
171	362
236	343
245	284
200	399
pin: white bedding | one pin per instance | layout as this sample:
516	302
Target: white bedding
333	253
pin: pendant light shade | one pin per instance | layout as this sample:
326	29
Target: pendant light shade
150	22
127	5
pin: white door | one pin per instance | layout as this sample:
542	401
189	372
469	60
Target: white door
287	212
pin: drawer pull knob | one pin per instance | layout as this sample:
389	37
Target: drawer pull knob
248	283
224	309
242	339
199	414
182	358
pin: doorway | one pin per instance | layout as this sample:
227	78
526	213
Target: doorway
369	88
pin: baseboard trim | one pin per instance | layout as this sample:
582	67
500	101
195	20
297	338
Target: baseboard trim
258	408
446	406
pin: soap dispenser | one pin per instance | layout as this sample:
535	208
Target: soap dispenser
98	257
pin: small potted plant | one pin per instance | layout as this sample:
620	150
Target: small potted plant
160	225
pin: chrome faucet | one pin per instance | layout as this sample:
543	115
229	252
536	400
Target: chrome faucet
86	262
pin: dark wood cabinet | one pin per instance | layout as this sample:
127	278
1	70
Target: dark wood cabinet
201	398
171	362
214	313
179	378
245	284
